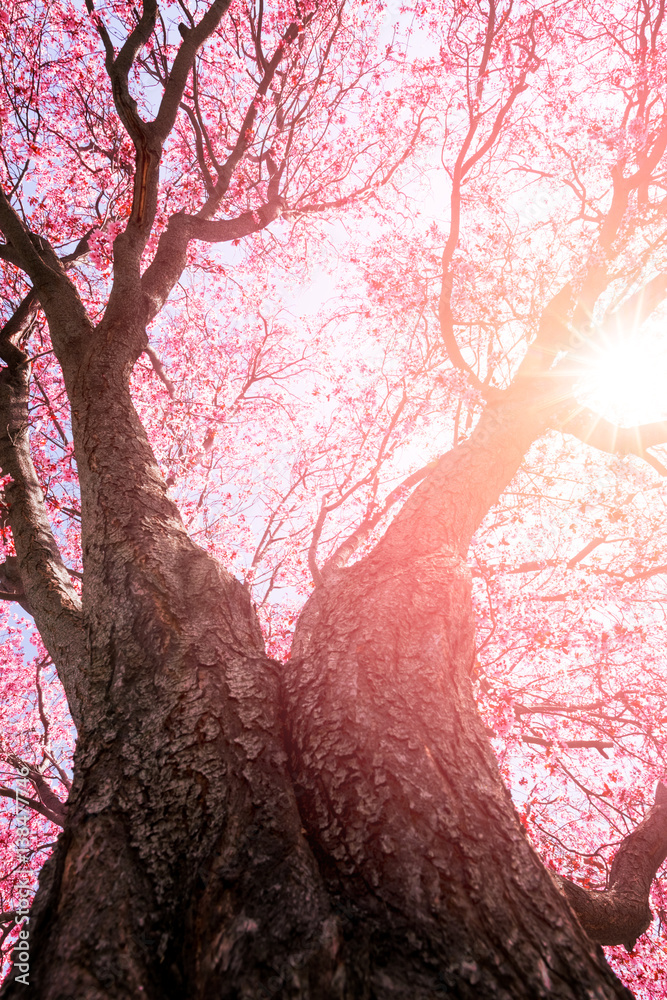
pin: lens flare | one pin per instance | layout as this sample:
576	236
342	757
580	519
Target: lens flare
626	381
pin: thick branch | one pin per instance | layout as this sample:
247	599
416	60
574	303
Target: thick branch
27	251
621	914
12	587
118	67
193	39
344	552
39	571
170	258
599	745
158	368
50	801
48	804
447	507
39	807
58	296
148	137
552	335
171	255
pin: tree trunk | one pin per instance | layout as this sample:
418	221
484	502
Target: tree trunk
419	843
182	870
390	862
402	797
334	829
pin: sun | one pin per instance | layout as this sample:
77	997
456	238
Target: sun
625	380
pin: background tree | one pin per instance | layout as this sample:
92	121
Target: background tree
333	821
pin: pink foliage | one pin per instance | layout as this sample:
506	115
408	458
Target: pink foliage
302	380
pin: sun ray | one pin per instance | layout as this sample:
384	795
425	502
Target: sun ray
624	379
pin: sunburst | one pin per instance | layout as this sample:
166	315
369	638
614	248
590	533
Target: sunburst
625	379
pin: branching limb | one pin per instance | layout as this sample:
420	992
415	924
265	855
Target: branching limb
39	572
48	797
599	745
621	914
148	137
632	313
380	178
467	158
171	255
193	39
48	804
58	296
564	317
61	773
537	565
13	256
118	66
170	258
552	335
32	254
56	816
158	368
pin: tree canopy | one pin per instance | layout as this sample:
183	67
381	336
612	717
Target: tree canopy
330	289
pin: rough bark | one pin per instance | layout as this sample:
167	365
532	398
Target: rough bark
621	914
183	869
37	575
396	781
333	830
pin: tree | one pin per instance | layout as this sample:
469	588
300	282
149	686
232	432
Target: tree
334	824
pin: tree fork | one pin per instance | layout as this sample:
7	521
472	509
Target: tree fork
180	808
